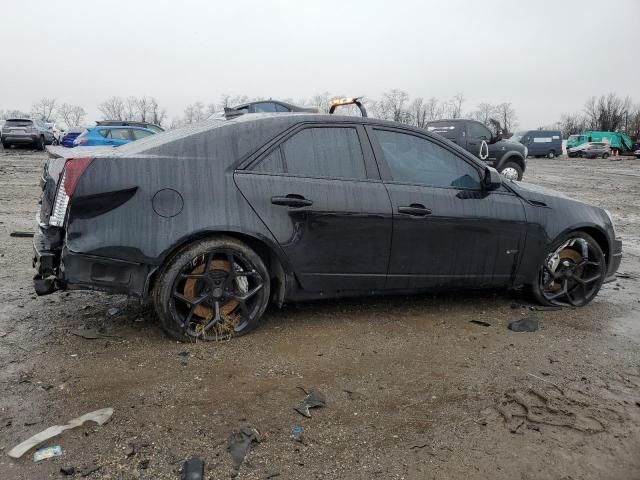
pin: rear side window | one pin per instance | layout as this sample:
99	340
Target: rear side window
120	133
418	161
272	163
325	152
138	134
266	107
281	108
104	132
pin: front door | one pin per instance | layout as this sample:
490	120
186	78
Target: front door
320	195
447	230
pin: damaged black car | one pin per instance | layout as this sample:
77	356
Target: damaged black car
215	221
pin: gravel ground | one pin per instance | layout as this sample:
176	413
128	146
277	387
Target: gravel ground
413	389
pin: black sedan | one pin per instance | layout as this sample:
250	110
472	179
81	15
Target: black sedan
217	220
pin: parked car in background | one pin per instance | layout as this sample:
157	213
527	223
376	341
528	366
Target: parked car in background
70	135
618	141
509	158
263	106
130	123
542	143
637	152
56	131
101	136
26	131
214	221
595	150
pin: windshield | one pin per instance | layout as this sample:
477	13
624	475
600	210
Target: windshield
575	138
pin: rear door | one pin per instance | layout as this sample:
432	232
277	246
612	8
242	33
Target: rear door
447	231
320	194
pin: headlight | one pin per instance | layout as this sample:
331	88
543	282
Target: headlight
613	225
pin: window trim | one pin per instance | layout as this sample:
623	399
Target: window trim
385	171
372	172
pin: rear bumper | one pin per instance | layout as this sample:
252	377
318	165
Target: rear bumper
614	261
19	139
58	268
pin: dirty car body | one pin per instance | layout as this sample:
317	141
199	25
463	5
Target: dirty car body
215	220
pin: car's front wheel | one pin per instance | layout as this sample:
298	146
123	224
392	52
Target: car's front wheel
512	171
572	272
213	289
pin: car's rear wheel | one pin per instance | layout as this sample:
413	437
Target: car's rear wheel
605	155
551	154
512	171
213	289
40	143
572	272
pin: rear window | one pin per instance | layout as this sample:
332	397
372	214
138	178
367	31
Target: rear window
446	129
18	123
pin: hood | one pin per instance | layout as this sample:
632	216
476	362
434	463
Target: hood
507	145
537	194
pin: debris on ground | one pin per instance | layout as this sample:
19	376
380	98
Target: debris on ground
526	324
91	334
47	452
20	234
68	471
112	312
239	443
480	322
89	469
545	308
193	469
353	395
296	434
98	416
630	276
314	399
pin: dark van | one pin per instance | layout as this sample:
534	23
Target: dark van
543	143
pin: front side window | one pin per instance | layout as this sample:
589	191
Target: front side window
418	161
477	130
325	152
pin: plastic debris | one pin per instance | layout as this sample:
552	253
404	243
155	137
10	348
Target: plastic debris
239	443
112	312
314	399
526	324
193	469
296	434
99	416
47	452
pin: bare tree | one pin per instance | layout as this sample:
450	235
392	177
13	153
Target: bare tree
194	113
72	114
571	124
44	109
454	106
6	114
418	112
392	106
507	117
434	109
112	108
608	112
157	115
484	113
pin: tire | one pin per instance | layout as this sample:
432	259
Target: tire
551	154
40	144
563	289
605	155
213	266
512	171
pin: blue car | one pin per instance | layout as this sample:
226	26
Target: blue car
71	135
101	136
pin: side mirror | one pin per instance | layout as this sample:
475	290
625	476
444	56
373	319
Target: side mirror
492	179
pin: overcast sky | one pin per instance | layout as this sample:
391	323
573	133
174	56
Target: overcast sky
545	57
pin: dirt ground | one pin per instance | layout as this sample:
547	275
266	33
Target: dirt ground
413	389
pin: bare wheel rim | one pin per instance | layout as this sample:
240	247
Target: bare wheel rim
216	295
510	173
572	274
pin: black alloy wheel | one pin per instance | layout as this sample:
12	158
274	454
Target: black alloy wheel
214	289
572	273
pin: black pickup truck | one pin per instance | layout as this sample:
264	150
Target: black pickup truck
509	158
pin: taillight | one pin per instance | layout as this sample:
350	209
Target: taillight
80	141
71	173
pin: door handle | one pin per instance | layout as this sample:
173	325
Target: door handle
291	200
415	209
